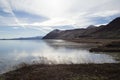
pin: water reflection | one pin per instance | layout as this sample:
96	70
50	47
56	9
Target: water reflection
69	45
48	52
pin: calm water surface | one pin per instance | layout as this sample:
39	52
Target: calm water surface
13	52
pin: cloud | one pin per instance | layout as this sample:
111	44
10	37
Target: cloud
105	13
7	8
47	15
60	10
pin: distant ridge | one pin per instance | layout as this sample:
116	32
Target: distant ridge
111	30
25	38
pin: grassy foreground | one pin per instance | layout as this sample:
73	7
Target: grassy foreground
65	72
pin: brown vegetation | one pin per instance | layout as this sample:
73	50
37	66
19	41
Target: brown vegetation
65	72
113	46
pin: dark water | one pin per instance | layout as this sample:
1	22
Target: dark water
13	52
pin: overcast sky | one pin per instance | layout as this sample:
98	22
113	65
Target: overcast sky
24	18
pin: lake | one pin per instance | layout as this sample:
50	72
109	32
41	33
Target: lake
14	52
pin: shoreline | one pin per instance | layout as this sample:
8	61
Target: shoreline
107	71
102	45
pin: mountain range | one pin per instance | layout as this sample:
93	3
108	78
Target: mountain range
109	31
25	38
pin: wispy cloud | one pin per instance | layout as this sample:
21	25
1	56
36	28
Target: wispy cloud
61	12
46	15
7	8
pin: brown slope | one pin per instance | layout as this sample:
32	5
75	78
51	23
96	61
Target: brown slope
111	30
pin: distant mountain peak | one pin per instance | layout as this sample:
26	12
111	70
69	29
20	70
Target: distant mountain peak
115	22
111	30
56	30
118	18
91	26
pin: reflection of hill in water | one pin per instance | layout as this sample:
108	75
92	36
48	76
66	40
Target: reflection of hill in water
69	45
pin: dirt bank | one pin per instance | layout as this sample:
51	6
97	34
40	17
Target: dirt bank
65	72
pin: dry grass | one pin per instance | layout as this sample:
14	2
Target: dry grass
113	46
66	72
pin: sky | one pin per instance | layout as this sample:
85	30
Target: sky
26	18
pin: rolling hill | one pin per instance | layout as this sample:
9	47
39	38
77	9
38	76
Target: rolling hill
111	30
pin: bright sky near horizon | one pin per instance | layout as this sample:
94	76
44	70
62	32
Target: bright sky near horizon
24	18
